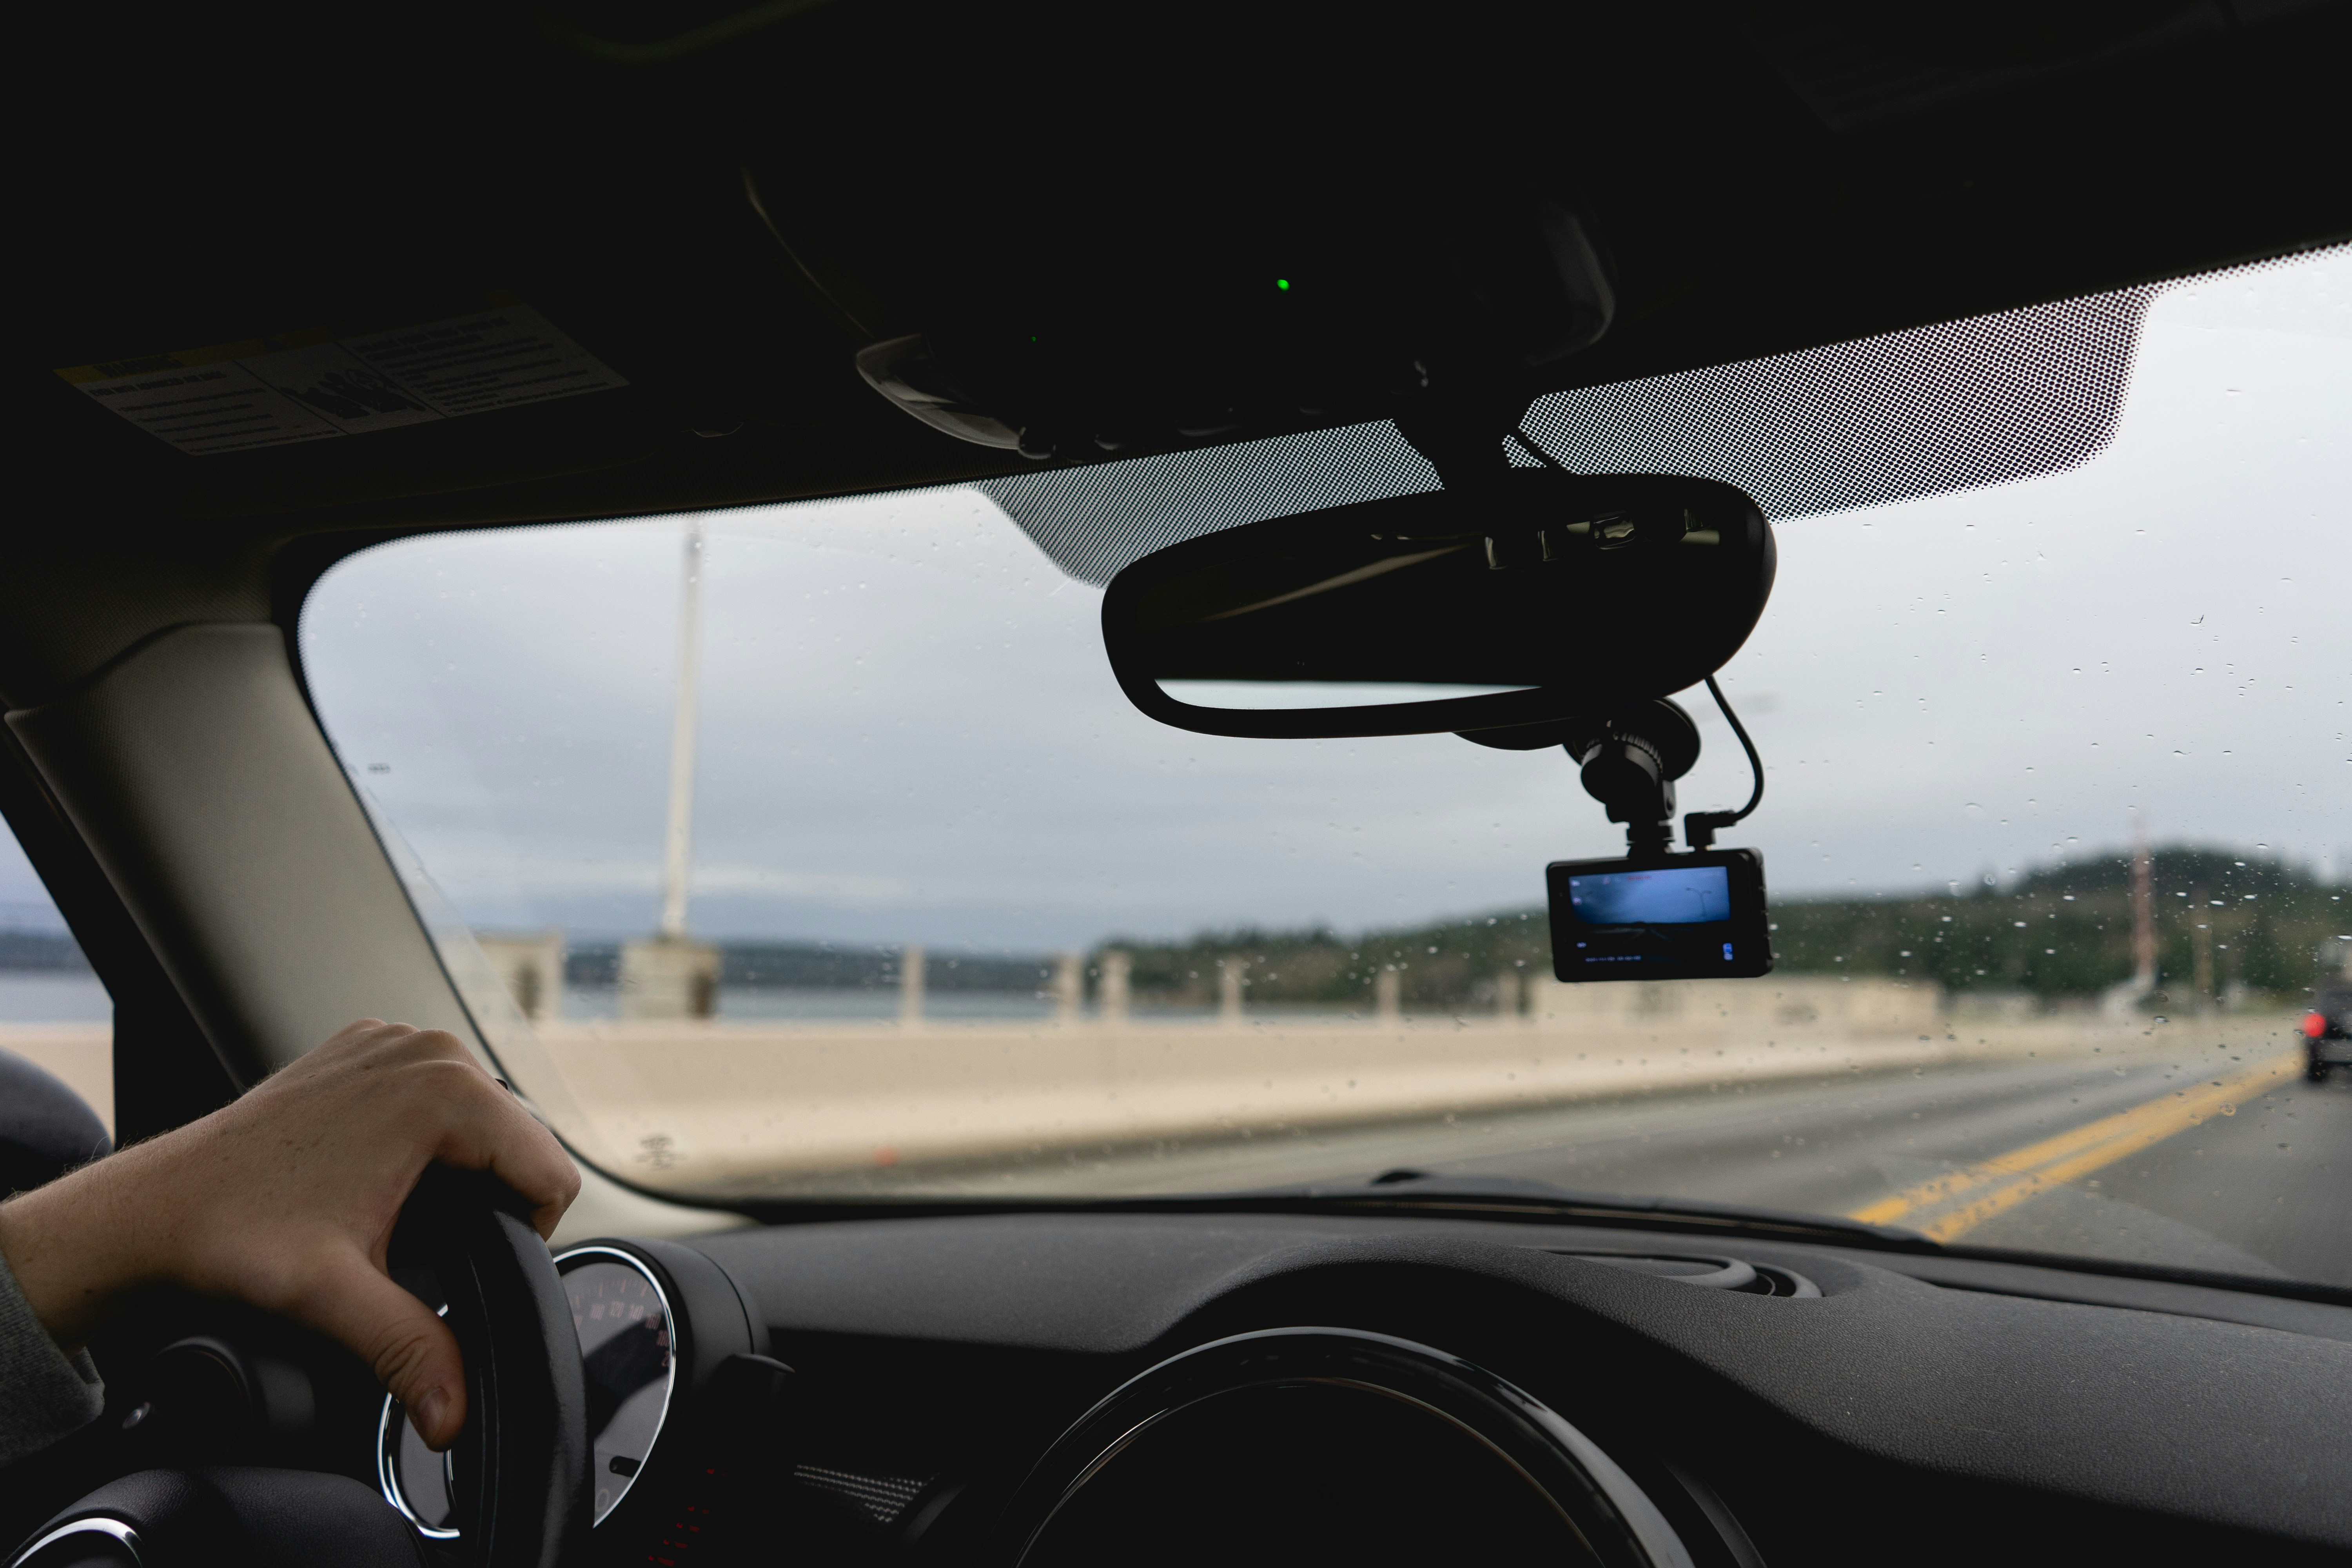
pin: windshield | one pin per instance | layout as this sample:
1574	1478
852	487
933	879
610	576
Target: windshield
811	852
53	1013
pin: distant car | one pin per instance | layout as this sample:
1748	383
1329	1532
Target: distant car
2327	1032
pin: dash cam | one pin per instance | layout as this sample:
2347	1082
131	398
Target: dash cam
1660	917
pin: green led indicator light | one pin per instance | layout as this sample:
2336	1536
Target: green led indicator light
1283	284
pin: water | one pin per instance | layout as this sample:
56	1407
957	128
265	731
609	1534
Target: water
53	996
767	1004
45	996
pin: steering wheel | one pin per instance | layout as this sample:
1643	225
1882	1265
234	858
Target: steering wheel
520	1469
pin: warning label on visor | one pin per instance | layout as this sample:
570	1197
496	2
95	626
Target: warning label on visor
313	385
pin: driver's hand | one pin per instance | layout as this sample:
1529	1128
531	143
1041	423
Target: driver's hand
286	1198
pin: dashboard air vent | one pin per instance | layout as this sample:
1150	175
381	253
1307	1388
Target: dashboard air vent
1711	1273
869	1501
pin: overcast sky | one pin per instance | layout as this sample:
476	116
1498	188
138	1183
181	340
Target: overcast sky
910	731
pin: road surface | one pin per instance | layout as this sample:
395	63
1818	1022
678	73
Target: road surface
2219	1158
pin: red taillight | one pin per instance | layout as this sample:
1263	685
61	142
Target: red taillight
2315	1025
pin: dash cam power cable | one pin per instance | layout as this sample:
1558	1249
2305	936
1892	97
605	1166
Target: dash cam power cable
1699	827
1527	443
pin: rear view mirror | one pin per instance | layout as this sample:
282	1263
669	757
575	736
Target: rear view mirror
1525	601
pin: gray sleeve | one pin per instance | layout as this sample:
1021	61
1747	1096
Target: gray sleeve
43	1393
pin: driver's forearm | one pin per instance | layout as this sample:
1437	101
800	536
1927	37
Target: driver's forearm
74	1247
43	1393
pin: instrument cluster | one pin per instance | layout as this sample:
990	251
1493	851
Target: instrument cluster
679	1388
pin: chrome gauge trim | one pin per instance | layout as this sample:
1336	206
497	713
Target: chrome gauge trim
114	1528
595	1253
1641	1514
387	1465
387	1471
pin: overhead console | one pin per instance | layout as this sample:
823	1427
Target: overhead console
1071	232
1343	302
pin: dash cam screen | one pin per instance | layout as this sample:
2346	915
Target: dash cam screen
1685	896
1679	917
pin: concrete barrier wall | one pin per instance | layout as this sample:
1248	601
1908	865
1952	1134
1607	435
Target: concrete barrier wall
716	1107
709	1105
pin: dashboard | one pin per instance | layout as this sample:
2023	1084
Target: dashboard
1057	1388
1052	1388
1769	1402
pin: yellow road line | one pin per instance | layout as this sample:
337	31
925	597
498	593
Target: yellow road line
1986	1189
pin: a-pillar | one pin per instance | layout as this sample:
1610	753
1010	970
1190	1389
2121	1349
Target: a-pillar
1116	968
1388	995
1231	971
1070	986
912	966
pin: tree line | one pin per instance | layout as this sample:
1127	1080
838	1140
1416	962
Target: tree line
2061	932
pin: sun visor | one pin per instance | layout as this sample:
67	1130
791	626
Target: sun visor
1984	400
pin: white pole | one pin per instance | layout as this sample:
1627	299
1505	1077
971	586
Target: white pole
679	845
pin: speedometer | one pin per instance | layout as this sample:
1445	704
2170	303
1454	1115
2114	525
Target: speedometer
627	1350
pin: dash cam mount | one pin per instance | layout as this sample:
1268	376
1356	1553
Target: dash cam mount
1629	760
1655	914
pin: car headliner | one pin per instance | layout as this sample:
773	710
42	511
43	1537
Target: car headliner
1765	178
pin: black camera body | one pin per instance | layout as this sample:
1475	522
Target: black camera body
1660	917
